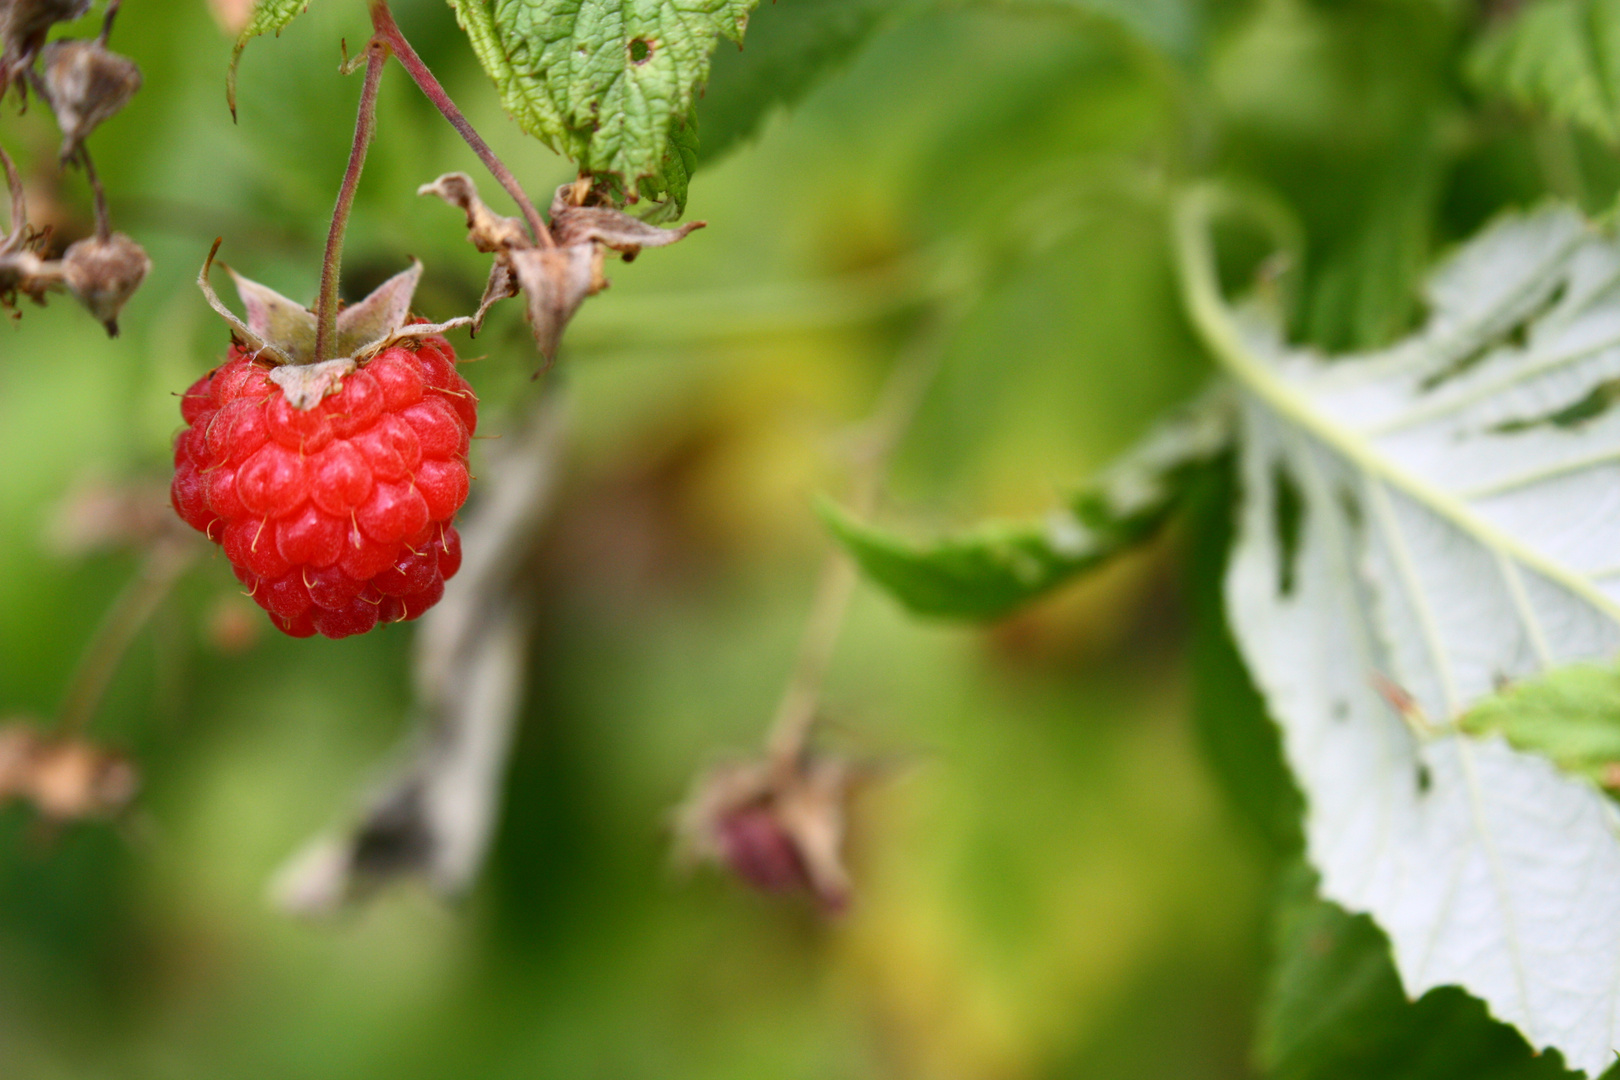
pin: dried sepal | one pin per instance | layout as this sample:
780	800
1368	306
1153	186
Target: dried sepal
305	385
503	285
84	83
555	282
554	277
282	331
486	230
65	777
383	311
573	223
239	329
104	274
412	332
779	826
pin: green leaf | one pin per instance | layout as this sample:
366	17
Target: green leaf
1334	1008
792	45
269	16
608	83
1561	56
1176	26
1436	516
991	570
1571	715
1239	740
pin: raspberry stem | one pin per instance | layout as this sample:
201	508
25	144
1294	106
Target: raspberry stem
382	20
365	126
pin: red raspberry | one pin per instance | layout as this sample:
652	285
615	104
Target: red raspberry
338	516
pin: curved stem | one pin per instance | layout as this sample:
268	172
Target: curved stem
875	442
103	218
382	20
1196	212
134	606
365	125
19	202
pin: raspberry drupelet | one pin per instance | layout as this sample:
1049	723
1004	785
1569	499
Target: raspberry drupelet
338	516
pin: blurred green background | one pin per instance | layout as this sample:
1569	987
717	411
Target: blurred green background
1051	888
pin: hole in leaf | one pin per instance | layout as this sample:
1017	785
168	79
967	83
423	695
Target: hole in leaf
1351	507
640	50
1593	404
1515	336
1287	521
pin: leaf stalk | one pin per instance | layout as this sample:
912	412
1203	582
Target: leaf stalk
382	21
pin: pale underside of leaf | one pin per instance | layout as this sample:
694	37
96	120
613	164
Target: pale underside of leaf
1456	525
609	83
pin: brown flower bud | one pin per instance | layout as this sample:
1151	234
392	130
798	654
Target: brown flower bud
85	84
23	26
66	777
778	826
26	273
104	274
99	515
755	845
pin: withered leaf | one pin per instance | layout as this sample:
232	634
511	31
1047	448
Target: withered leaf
557	274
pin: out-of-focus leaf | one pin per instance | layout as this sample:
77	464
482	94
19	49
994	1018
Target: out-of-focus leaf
1334	1009
987	572
1560	56
1440	514
1239	740
1365	289
792	44
1571	715
608	83
1172	25
269	17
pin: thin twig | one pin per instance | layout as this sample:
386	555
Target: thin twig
434	814
875	442
382	20
19	198
163	566
365	125
103	218
107	21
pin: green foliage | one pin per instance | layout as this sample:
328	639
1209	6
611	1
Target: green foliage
1559	56
269	16
608	83
1335	1010
1175	26
993	569
1571	714
1346	111
791	47
980	574
1239	740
